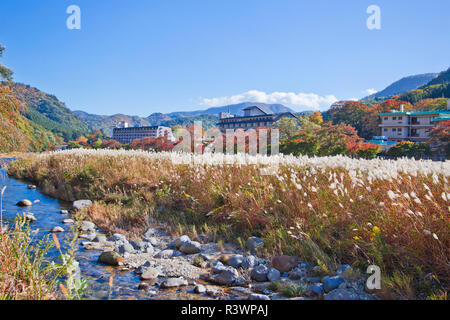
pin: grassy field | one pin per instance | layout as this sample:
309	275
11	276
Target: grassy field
327	210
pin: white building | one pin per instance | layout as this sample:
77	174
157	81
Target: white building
127	134
413	126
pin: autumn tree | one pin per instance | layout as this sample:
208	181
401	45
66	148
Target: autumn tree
440	137
351	113
316	117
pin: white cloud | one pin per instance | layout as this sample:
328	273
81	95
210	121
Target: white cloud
300	101
371	91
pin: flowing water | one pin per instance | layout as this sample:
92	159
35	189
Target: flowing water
47	211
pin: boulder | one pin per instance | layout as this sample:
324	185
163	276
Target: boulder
80	204
254	244
68	221
256	296
99	238
331	283
64	211
167	254
88	236
57	230
249	262
236	261
177	243
297	274
226	277
284	263
87	226
259	273
119	237
173	283
190	247
123	247
317	289
111	258
29	217
273	274
150	274
24	203
31	186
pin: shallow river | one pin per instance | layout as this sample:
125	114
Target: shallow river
47	212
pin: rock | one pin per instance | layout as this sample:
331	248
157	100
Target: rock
88	236
217	266
110	258
87	226
142	246
177	243
345	268
249	262
317	289
29	217
200	289
80	204
226	277
284	263
213	292
254	244
99	238
273	274
150	274
190	247
173	283
224	258
167	254
119	237
123	247
319	271
64	211
255	296
31	186
236	261
68	221
259	273
330	283
206	257
57	230
296	274
24	203
341	294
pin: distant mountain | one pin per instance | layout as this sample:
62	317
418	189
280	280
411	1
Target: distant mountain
403	85
49	113
209	117
234	109
439	87
104	123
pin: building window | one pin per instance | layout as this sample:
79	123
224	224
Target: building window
400	118
394	118
385	129
394	129
386	118
399	130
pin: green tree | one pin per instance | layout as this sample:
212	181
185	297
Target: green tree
351	113
5	73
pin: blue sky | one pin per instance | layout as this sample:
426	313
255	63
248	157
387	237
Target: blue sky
139	57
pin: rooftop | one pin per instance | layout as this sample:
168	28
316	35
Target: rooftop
414	113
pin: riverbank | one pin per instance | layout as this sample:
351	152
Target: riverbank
328	211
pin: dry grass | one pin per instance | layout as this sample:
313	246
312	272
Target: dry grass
328	210
22	270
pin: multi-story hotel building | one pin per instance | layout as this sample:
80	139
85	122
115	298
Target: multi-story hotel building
413	126
125	134
254	117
